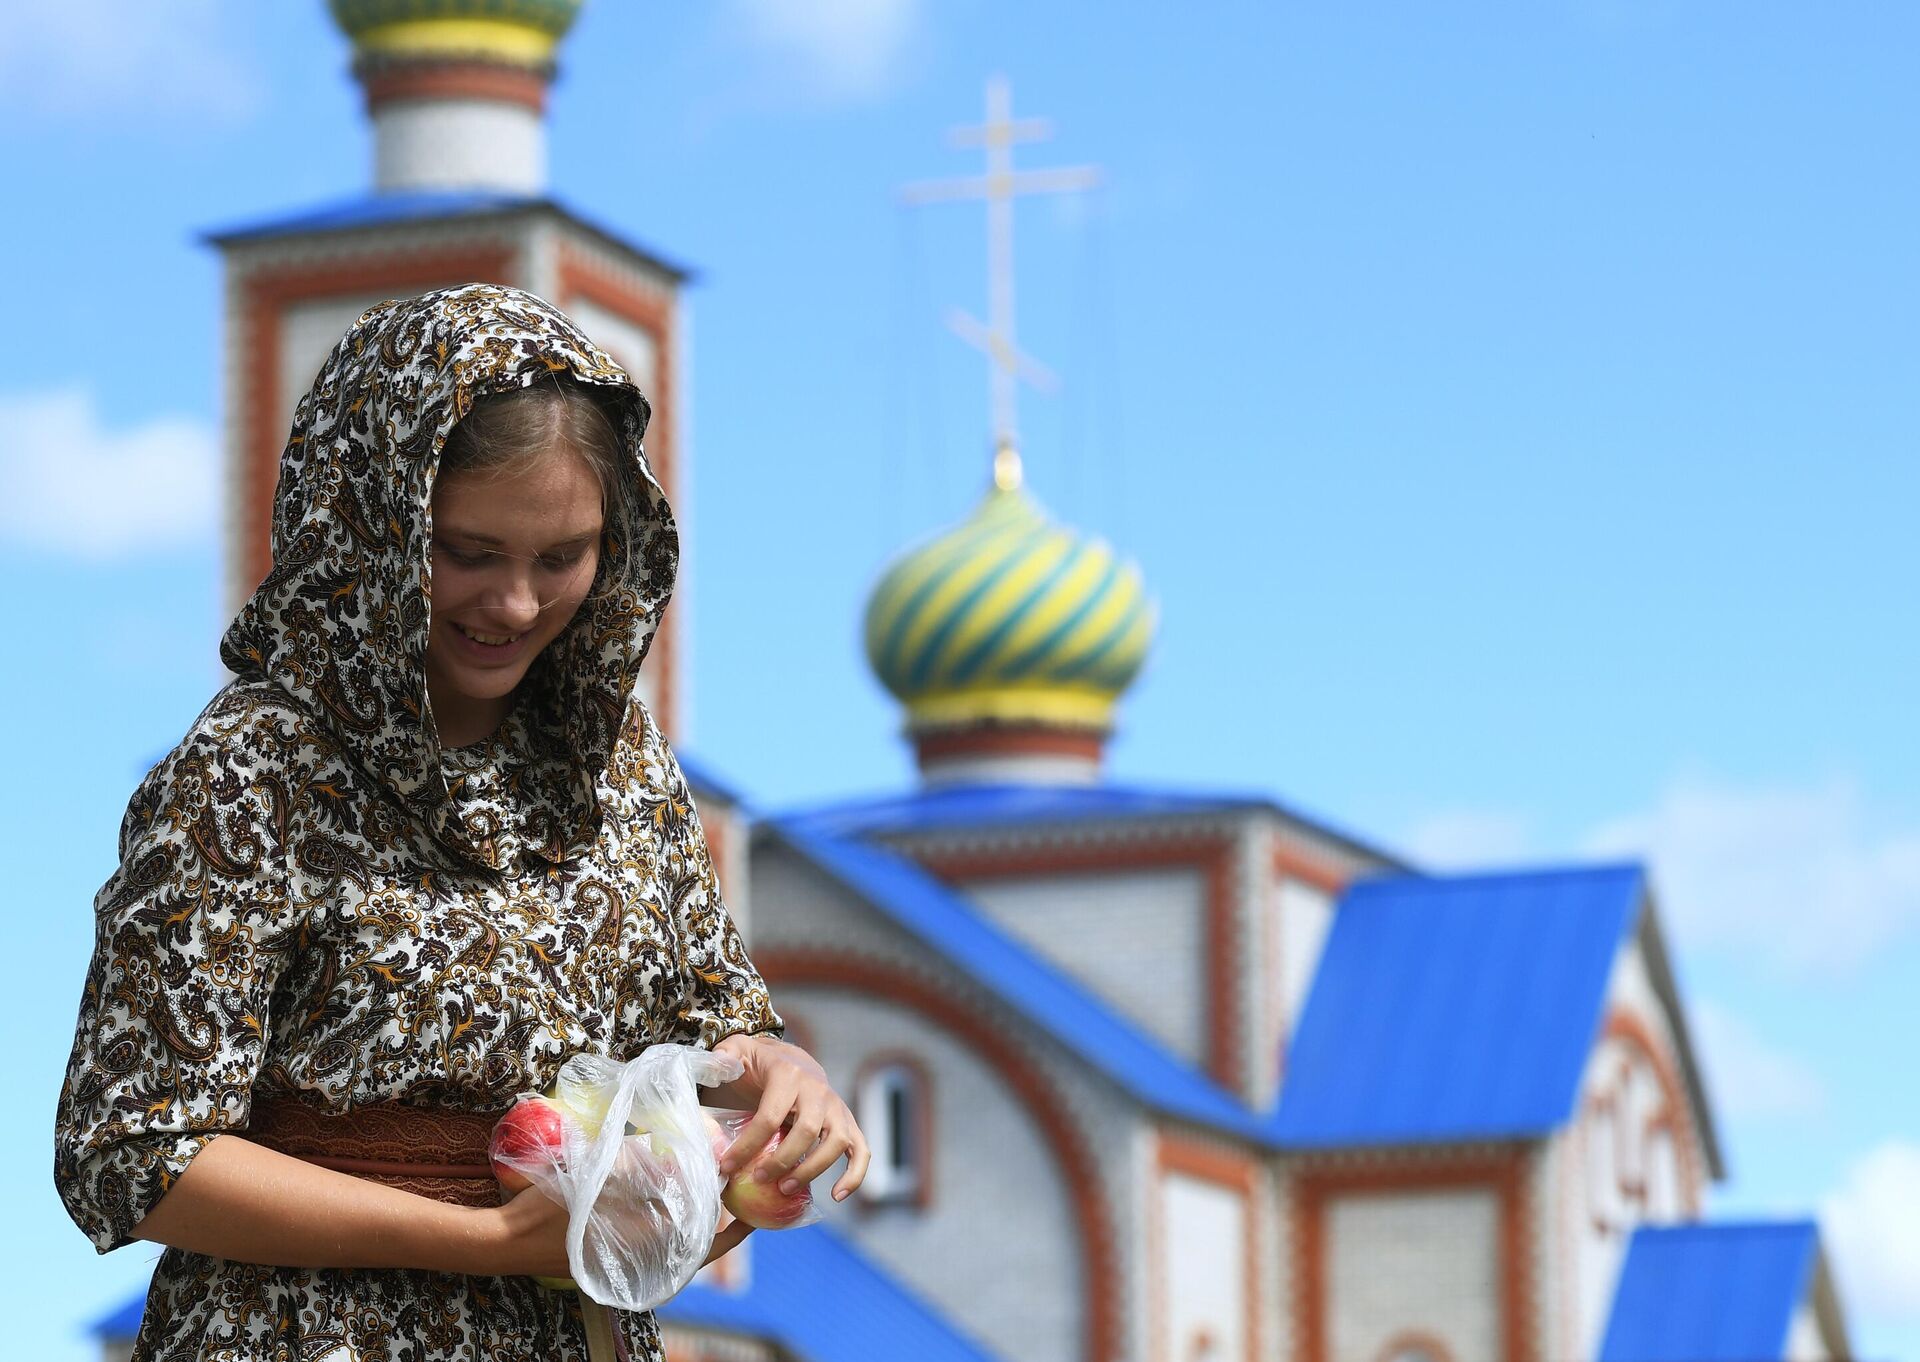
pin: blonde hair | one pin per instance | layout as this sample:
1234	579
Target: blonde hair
507	432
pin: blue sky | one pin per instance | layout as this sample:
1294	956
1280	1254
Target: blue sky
1510	406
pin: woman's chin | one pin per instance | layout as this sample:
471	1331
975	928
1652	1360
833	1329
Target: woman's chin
468	705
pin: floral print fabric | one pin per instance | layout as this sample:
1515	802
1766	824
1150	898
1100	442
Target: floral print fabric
314	897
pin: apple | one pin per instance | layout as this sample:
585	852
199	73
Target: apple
761	1204
530	1132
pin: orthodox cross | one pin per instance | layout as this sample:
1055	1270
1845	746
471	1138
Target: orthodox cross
999	187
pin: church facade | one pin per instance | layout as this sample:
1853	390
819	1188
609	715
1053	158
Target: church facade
1179	1076
1150	1074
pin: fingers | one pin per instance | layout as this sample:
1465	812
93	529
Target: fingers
808	1161
809	1123
820	1130
775	1103
857	1159
795	1163
727	1240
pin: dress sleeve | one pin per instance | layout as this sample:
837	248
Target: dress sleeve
722	994
191	934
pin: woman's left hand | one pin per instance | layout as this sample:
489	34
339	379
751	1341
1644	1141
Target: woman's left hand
793	1094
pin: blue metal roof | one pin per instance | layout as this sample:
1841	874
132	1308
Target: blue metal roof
1710	1293
368	210
381	210
122	1323
1048	998
1442	1010
824	1302
971	805
1455	1008
701	776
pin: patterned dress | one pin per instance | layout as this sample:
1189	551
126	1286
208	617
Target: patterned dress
314	898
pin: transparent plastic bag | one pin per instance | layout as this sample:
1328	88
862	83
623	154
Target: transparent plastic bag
635	1168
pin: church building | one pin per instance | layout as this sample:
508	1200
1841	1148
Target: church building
1150	1073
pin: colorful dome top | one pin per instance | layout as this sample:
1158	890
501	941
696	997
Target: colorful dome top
1010	618
516	31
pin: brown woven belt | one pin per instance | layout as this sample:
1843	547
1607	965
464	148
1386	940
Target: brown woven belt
438	1154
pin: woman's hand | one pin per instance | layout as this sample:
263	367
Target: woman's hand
792	1094
532	1237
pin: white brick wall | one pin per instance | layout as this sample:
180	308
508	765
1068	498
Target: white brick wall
998	1248
1426	1261
1137	938
1804	1341
459	144
1285	1337
996	1180
1203	1269
308	332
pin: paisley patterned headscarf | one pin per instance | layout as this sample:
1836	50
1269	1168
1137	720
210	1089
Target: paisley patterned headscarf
341	621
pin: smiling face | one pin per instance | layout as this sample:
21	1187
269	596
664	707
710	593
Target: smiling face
514	554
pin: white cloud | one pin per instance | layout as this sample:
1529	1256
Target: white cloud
1796	875
1872	1229
76	488
832	50
1746	1074
90	58
1463	839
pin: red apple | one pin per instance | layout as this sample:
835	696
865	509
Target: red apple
762	1204
530	1132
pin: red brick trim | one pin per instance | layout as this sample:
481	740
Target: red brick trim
1504	1174
578	276
1176	1154
1289	864
1414	1338
1211	854
1599	1113
1100	1279
266	294
1676	1113
405	81
1008	740
922	1195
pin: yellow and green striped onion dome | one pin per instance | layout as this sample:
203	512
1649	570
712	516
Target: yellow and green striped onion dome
1009	618
523	32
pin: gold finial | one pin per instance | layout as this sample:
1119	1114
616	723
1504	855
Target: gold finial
1006	467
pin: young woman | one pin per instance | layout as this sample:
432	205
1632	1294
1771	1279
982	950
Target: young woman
427	845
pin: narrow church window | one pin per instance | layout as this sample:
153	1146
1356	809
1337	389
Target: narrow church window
892	1098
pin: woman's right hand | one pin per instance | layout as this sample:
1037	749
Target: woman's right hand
531	1238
